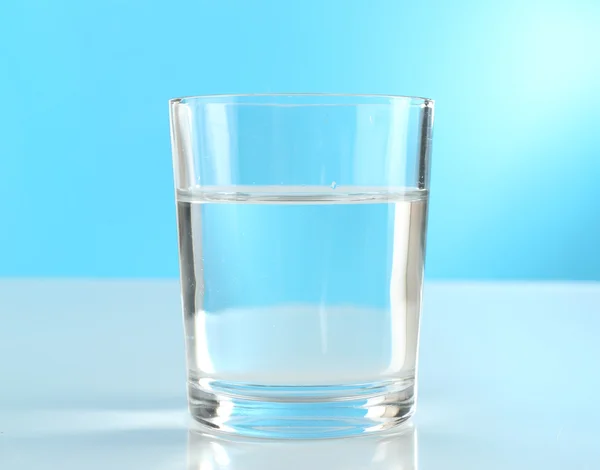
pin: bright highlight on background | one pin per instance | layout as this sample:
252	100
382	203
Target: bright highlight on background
85	174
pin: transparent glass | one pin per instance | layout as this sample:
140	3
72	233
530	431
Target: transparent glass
302	224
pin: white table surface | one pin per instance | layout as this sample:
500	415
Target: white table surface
92	377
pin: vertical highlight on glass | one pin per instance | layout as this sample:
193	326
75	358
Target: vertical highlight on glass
302	222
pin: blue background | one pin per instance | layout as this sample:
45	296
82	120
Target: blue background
85	169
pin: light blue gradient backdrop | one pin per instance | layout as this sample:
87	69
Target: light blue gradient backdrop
85	167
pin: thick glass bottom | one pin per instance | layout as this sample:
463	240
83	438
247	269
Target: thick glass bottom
301	412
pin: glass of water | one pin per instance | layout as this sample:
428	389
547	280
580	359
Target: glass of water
302	223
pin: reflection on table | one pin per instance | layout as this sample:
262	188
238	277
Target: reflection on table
391	452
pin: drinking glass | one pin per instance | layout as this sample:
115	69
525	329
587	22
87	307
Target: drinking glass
301	221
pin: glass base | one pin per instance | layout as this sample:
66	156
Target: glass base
301	412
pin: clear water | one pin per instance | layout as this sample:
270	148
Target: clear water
305	286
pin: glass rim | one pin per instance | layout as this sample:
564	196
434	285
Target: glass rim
243	98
